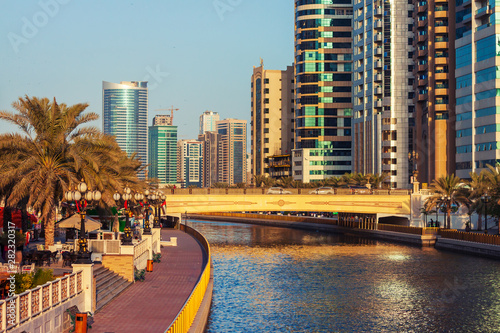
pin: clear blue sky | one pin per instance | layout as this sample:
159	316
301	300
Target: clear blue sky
207	47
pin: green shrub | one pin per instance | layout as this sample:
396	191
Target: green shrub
156	257
26	281
139	274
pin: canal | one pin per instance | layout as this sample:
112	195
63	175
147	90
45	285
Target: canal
269	279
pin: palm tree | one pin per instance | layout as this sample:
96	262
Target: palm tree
448	191
377	179
478	186
53	153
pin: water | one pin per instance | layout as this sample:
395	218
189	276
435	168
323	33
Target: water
270	279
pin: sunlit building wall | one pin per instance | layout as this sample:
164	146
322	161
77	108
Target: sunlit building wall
272	117
190	162
163	153
125	116
232	151
211	142
323	89
383	89
207	121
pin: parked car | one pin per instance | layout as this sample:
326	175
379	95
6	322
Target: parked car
278	190
360	189
323	190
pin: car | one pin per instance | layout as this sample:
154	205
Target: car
277	190
323	190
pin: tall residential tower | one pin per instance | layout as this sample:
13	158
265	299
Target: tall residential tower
162	150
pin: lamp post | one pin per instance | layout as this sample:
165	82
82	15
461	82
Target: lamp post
127	231
81	196
485	198
147	228
446	199
155	199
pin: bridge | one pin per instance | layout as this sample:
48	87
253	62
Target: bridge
381	203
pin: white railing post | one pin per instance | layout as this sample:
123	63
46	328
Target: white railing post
87	284
149	242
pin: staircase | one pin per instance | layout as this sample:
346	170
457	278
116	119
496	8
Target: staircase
108	285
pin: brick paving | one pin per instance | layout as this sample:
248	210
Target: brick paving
151	305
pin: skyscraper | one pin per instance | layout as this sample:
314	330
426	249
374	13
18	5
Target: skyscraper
190	163
477	104
383	89
323	89
211	144
163	151
208	120
434	85
272	118
232	151
125	116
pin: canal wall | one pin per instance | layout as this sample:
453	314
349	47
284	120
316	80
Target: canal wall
460	246
322	224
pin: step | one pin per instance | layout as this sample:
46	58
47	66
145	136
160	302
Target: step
104	276
110	286
110	296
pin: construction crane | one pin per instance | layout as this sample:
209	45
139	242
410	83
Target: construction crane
171	112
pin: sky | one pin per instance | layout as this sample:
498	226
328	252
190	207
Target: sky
196	55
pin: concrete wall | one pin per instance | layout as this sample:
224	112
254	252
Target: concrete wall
121	264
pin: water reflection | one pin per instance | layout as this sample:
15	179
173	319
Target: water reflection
270	279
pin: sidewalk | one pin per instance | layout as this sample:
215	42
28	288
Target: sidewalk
152	305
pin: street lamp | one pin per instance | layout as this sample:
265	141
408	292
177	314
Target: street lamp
446	199
155	198
81	197
147	228
127	231
485	198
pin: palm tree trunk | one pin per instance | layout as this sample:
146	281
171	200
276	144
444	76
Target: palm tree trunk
49	229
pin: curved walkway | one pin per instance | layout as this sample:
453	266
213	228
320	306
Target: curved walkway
151	305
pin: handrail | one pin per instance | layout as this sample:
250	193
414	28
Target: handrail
470	236
186	315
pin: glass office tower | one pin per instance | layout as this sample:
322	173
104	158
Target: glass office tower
163	153
323	88
125	116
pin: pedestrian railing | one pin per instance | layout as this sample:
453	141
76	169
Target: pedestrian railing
141	253
16	310
401	228
104	246
185	317
470	236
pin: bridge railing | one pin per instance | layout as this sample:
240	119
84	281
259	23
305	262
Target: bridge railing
470	236
261	190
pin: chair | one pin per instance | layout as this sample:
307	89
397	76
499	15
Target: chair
66	258
53	257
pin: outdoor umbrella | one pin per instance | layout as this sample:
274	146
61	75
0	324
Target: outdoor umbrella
75	221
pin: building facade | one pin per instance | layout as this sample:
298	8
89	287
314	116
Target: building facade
434	85
189	163
477	103
163	120
272	115
233	151
125	116
323	89
211	145
162	152
383	89
208	120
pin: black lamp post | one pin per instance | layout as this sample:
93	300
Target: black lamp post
156	198
446	201
147	228
81	196
485	198
127	231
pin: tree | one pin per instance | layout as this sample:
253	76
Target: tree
478	186
54	153
448	191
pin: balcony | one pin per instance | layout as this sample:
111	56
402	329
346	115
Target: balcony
422	68
422	23
441	30
441	14
441	107
423	97
422	38
422	7
378	24
378	51
378	37
442	61
378	12
422	53
378	103
442	92
442	45
441	76
423	83
378	77
378	64
378	91
486	10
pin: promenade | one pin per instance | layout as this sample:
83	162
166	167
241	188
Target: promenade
152	305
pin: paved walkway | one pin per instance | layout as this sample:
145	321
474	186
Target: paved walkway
151	305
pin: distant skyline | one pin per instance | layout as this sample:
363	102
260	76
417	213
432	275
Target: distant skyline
196	55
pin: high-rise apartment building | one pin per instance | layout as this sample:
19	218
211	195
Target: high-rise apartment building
272	119
477	72
163	120
383	89
207	121
434	85
190	163
232	151
211	144
162	150
125	116
323	89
